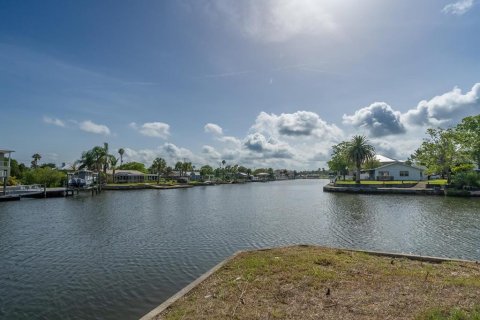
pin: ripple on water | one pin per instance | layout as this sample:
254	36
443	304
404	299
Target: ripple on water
119	254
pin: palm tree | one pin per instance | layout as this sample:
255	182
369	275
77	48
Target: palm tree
113	165
36	157
121	152
359	152
159	166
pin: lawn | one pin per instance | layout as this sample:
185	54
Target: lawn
306	282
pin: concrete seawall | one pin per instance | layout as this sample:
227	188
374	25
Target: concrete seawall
370	190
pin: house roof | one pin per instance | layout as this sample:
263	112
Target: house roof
127	172
6	151
383	159
398	163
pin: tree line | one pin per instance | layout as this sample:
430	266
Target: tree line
452	152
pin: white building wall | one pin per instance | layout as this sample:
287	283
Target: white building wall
394	170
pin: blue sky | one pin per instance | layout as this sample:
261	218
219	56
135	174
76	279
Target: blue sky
260	83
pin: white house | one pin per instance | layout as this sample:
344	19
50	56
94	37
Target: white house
5	167
397	171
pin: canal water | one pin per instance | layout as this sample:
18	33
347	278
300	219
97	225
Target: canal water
119	254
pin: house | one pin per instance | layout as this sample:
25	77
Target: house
5	156
128	176
396	171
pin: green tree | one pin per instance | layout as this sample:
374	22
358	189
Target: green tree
113	166
468	135
187	166
121	152
47	176
36	157
359	152
339	162
133	166
439	153
206	171
158	166
179	167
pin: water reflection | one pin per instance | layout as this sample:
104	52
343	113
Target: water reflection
119	254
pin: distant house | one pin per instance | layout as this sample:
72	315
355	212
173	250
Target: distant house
127	176
5	167
396	171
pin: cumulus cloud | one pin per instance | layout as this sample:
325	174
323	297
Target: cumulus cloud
379	119
446	108
211	153
54	121
214	129
153	129
89	126
274	20
298	124
458	8
267	147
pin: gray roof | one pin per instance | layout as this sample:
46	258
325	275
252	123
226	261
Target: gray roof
6	151
400	163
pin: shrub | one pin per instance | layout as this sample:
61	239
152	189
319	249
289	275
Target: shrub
466	179
48	176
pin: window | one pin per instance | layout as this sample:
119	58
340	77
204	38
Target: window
404	173
384	173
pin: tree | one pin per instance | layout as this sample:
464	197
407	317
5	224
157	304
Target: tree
439	152
134	166
158	167
468	135
113	165
36	157
187	166
359	152
339	161
179	167
121	152
47	176
206	171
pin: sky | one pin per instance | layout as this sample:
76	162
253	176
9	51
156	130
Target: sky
260	83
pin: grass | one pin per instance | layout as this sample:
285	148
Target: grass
438	182
452	314
306	282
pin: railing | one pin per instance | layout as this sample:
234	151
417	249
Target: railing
384	178
21	189
4	164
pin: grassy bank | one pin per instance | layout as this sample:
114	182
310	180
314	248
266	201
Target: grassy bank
319	283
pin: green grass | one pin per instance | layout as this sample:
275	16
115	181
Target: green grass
453	314
438	182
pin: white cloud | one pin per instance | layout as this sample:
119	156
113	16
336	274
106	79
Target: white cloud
458	8
54	121
276	20
445	109
379	119
214	129
89	126
268	148
211	153
153	129
298	124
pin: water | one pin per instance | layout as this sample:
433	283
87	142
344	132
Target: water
120	254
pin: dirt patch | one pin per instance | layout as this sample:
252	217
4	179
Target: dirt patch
320	283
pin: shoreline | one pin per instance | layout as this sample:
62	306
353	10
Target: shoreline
339	268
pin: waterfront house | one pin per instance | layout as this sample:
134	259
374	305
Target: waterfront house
128	176
5	167
396	171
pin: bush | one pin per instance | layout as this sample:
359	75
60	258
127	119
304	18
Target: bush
48	176
466	179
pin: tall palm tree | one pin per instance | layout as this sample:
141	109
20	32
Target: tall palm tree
359	152
113	164
36	157
121	152
159	166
